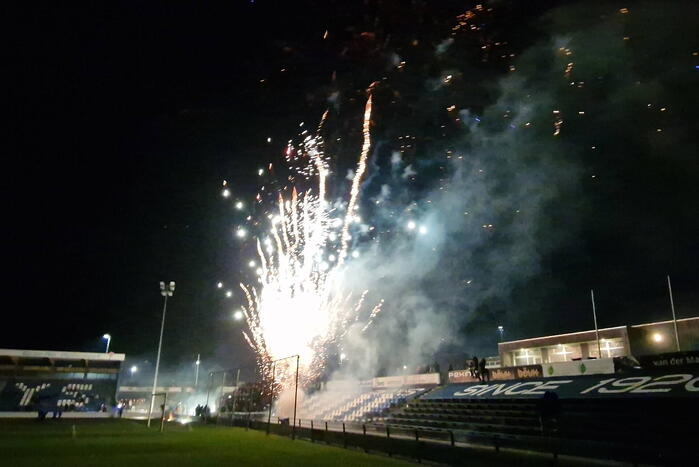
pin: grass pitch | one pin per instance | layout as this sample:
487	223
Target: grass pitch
106	443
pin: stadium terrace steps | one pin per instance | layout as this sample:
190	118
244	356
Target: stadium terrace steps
464	425
641	428
357	407
478	419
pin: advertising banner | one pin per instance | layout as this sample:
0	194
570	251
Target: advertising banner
498	374
669	360
601	366
681	384
461	376
425	379
405	380
347	385
387	382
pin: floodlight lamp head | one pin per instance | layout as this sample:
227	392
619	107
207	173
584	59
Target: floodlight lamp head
172	286
162	285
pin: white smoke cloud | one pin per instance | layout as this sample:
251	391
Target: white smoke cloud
396	159
408	172
443	46
476	236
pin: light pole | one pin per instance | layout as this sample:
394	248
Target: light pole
674	318
223	382
109	339
501	330
271	396
208	389
196	374
166	291
235	394
594	316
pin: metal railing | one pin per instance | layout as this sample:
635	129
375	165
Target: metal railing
431	444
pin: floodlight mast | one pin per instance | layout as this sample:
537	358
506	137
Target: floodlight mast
166	291
108	337
196	374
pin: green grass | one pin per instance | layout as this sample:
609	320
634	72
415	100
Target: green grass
128	443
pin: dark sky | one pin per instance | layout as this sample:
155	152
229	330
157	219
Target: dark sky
126	116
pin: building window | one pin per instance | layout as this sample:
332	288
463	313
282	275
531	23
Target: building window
564	352
612	348
528	356
609	347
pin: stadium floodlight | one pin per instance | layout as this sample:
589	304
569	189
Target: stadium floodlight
133	369
238	315
166	291
109	339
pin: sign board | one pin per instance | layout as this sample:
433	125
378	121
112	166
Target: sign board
669	360
347	385
405	380
387	382
421	380
499	374
461	376
601	366
680	384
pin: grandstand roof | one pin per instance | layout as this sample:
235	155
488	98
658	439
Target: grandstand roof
587	335
62	355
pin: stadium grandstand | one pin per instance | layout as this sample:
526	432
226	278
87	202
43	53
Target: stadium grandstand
45	381
636	403
366	400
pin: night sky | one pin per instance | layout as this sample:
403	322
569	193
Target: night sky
126	117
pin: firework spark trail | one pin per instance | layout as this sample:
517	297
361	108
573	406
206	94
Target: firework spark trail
301	305
361	168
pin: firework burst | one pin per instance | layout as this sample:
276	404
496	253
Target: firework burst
301	305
